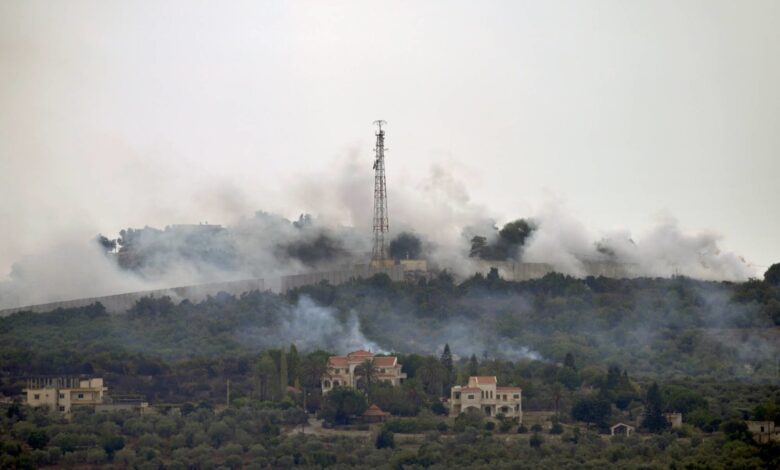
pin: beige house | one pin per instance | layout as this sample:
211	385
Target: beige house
341	370
484	394
763	431
62	394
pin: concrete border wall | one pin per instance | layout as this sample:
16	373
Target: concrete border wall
518	271
120	303
396	273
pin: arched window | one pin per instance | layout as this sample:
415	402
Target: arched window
326	383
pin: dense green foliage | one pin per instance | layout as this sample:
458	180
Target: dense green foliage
587	350
506	244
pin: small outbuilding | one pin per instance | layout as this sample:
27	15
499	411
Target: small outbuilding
674	419
763	431
621	429
374	414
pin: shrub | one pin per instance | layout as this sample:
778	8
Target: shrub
38	439
536	441
438	408
96	456
490	425
522	429
536	428
385	439
505	425
556	428
472	417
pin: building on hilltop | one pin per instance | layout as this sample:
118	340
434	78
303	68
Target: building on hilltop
341	370
484	394
64	393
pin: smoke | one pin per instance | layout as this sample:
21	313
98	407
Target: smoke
667	250
311	326
435	206
663	250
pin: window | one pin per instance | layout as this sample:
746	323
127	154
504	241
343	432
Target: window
516	396
37	396
62	396
471	396
326	383
81	396
457	395
62	408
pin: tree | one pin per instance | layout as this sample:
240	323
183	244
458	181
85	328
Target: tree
556	428
449	367
472	417
473	365
268	377
294	364
568	361
737	431
568	377
654	420
478	245
38	439
592	410
446	359
772	275
536	440
366	375
112	444
516	233
105	243
385	439
312	369
433	376
341	404
283	379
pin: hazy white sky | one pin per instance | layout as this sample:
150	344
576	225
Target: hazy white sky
117	113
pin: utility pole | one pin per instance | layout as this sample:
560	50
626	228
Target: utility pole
381	223
228	393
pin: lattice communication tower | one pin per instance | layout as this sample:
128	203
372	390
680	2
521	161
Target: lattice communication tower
381	223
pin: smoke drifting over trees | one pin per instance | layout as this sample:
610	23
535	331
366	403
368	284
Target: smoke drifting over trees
435	219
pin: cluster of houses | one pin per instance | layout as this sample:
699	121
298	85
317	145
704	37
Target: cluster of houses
481	393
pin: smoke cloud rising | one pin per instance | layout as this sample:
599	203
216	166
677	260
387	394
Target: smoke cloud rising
311	326
435	206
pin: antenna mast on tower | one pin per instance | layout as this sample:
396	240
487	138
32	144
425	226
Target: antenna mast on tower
381	224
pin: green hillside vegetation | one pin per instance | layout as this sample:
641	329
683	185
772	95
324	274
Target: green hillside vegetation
593	352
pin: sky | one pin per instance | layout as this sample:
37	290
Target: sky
118	114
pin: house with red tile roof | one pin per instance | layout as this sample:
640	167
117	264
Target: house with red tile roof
341	370
483	393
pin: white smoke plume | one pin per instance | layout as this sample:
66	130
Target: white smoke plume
435	205
664	250
311	326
